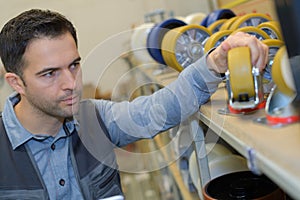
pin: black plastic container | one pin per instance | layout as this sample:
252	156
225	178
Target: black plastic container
242	186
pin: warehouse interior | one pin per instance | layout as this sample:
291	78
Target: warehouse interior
255	143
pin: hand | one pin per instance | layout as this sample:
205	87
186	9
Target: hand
217	59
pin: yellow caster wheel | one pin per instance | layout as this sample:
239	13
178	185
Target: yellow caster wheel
156	35
251	19
243	81
215	27
240	68
279	108
274	45
282	74
272	28
216	39
227	24
258	33
195	18
184	45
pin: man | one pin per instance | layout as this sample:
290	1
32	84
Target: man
55	146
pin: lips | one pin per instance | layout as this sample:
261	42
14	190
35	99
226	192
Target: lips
70	100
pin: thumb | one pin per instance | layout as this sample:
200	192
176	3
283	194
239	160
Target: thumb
218	57
221	55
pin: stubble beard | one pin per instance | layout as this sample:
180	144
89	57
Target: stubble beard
54	108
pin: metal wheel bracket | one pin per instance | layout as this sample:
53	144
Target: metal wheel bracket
253	102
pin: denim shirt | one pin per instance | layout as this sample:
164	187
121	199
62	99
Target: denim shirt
50	153
126	122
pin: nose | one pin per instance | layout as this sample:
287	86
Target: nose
68	80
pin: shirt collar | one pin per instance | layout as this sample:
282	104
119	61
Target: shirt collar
16	133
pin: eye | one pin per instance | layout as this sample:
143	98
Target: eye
49	73
75	66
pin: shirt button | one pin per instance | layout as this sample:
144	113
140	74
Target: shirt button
62	182
53	147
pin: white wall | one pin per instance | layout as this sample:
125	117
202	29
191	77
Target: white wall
103	24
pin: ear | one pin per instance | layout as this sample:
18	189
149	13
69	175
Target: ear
15	82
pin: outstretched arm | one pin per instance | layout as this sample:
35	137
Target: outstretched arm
146	116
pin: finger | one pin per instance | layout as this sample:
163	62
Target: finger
259	54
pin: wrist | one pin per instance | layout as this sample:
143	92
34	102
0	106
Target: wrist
211	64
214	63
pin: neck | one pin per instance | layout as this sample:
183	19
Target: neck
38	122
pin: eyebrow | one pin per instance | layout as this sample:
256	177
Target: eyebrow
75	61
55	68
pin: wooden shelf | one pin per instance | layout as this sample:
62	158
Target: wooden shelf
276	151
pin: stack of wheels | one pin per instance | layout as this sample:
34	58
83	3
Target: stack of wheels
244	85
216	39
249	24
138	43
251	19
252	30
156	36
279	107
184	45
216	26
222	27
272	28
227	24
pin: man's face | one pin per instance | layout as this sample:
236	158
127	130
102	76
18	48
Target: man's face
52	76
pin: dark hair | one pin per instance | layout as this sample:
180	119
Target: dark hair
27	26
